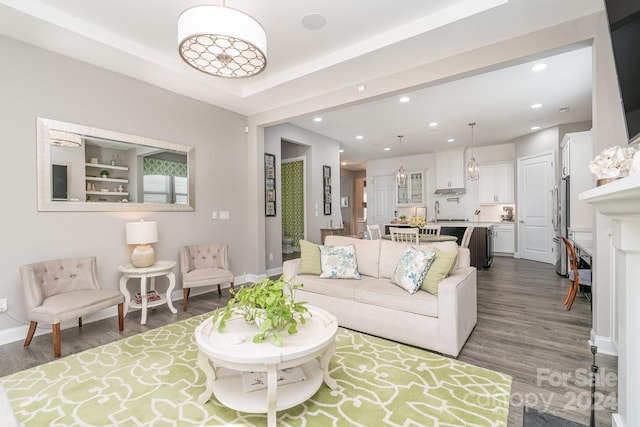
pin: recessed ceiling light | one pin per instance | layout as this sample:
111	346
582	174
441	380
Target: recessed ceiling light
362	88
451	140
341	150
317	119
387	149
359	136
433	124
539	67
405	99
343	163
535	127
536	105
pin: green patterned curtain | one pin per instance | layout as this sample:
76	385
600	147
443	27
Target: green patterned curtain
292	182
164	167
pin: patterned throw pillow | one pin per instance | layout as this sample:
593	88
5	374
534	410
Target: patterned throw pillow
411	269
442	266
338	262
309	258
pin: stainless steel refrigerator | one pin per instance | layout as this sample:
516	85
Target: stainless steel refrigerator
561	223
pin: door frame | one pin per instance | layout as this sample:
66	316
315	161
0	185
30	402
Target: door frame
520	198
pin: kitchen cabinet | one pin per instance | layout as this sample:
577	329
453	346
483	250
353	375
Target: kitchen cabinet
504	238
450	169
496	183
412	191
577	152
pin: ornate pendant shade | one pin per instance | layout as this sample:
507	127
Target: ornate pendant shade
401	176
473	169
65	139
222	42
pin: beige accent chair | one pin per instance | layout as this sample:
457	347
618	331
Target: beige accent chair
406	235
204	265
63	289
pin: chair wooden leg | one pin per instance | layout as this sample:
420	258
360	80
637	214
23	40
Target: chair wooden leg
55	333
79	322
231	286
121	317
219	291
574	291
32	330
185	297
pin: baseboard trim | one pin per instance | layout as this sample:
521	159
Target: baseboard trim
274	271
605	344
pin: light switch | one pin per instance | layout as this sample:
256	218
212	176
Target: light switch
214	215
224	214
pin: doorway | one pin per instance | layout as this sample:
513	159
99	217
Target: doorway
536	177
293	206
382	200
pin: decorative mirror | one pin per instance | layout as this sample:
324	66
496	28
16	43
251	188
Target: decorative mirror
88	169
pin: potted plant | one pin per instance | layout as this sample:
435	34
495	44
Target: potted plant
266	305
104	173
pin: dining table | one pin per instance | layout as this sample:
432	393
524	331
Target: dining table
429	238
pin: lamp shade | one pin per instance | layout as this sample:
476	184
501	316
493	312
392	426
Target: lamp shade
142	232
65	139
222	41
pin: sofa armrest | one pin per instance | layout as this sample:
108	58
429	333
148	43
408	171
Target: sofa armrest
290	268
457	305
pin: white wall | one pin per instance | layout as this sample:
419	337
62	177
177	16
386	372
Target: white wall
37	83
320	151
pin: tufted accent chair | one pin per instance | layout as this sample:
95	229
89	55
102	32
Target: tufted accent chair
64	289
204	265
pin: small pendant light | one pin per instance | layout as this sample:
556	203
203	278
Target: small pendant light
473	170
401	176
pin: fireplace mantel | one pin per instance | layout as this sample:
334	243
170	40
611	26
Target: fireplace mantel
620	201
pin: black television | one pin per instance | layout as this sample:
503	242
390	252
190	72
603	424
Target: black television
624	24
60	182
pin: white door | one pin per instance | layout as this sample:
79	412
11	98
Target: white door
383	203
535	208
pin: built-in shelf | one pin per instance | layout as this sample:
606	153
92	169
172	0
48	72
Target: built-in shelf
97	178
101	166
108	193
102	183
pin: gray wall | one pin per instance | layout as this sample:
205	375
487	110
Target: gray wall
37	83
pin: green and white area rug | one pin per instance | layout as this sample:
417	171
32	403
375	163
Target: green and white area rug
152	379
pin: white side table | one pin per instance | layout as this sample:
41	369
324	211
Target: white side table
160	268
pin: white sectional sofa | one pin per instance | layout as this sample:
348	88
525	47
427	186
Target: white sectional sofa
376	306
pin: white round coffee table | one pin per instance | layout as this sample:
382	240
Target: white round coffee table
231	352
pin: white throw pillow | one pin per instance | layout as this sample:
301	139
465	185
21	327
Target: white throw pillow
411	269
338	262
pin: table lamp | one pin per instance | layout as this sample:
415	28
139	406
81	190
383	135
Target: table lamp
142	233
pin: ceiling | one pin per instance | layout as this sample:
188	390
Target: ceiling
362	42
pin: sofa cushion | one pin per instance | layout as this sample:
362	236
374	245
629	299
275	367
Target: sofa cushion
443	264
390	253
337	288
338	262
309	258
367	252
411	269
382	293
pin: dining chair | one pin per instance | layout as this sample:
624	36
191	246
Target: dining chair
577	276
374	232
63	289
204	265
405	234
433	229
466	237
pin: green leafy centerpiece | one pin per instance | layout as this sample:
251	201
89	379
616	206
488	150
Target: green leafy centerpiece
266	305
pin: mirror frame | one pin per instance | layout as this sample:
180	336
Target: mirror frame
44	181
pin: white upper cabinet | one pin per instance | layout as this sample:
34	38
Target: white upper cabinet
496	183
450	169
412	191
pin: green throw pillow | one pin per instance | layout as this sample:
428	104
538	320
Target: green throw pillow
442	266
309	258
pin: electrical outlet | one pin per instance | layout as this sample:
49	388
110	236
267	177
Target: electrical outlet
270	257
3	305
214	215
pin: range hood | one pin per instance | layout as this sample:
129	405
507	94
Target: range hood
446	191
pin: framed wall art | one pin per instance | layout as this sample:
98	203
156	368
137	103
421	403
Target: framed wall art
326	179
269	184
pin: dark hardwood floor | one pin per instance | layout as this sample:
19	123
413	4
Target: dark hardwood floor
523	330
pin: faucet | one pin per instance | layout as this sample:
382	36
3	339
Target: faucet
436	211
